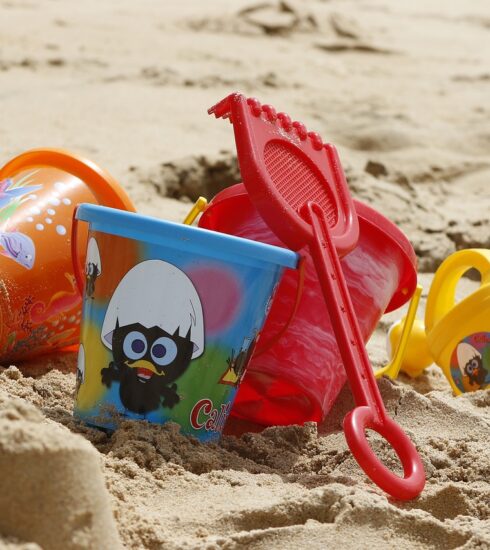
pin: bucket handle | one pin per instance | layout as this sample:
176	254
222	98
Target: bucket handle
392	369
103	186
259	350
442	293
74	253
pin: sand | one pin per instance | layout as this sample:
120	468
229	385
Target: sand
43	459
402	89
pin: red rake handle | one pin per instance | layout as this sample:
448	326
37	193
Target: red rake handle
370	412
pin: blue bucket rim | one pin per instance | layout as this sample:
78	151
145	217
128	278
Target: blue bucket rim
131	225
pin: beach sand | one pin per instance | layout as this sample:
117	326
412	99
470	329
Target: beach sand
402	89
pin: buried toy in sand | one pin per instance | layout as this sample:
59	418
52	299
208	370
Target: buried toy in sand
456	335
171	321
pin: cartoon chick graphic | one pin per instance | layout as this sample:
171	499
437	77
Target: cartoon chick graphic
154	326
471	364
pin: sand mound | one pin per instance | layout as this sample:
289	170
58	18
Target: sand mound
52	486
289	487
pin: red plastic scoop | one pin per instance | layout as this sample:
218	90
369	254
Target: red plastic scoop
297	184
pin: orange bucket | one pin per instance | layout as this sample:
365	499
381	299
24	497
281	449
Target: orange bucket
39	299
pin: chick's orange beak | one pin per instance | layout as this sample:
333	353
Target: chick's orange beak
145	365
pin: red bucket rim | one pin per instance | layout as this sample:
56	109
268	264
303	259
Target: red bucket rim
369	215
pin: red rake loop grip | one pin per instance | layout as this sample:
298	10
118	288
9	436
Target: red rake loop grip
370	412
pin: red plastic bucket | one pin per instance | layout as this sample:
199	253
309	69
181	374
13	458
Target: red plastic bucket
298	378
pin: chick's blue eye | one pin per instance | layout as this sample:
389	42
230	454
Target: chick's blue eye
164	351
159	351
135	345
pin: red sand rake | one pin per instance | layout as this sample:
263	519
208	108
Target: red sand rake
297	184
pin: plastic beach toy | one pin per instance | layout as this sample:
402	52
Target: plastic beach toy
39	301
198	207
456	335
297	184
298	377
403	330
170	320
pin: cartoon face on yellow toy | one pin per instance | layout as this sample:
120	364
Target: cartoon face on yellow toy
456	335
470	363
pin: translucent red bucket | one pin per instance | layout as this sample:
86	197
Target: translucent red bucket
298	378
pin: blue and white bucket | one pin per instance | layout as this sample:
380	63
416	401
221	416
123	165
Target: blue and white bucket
171	315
